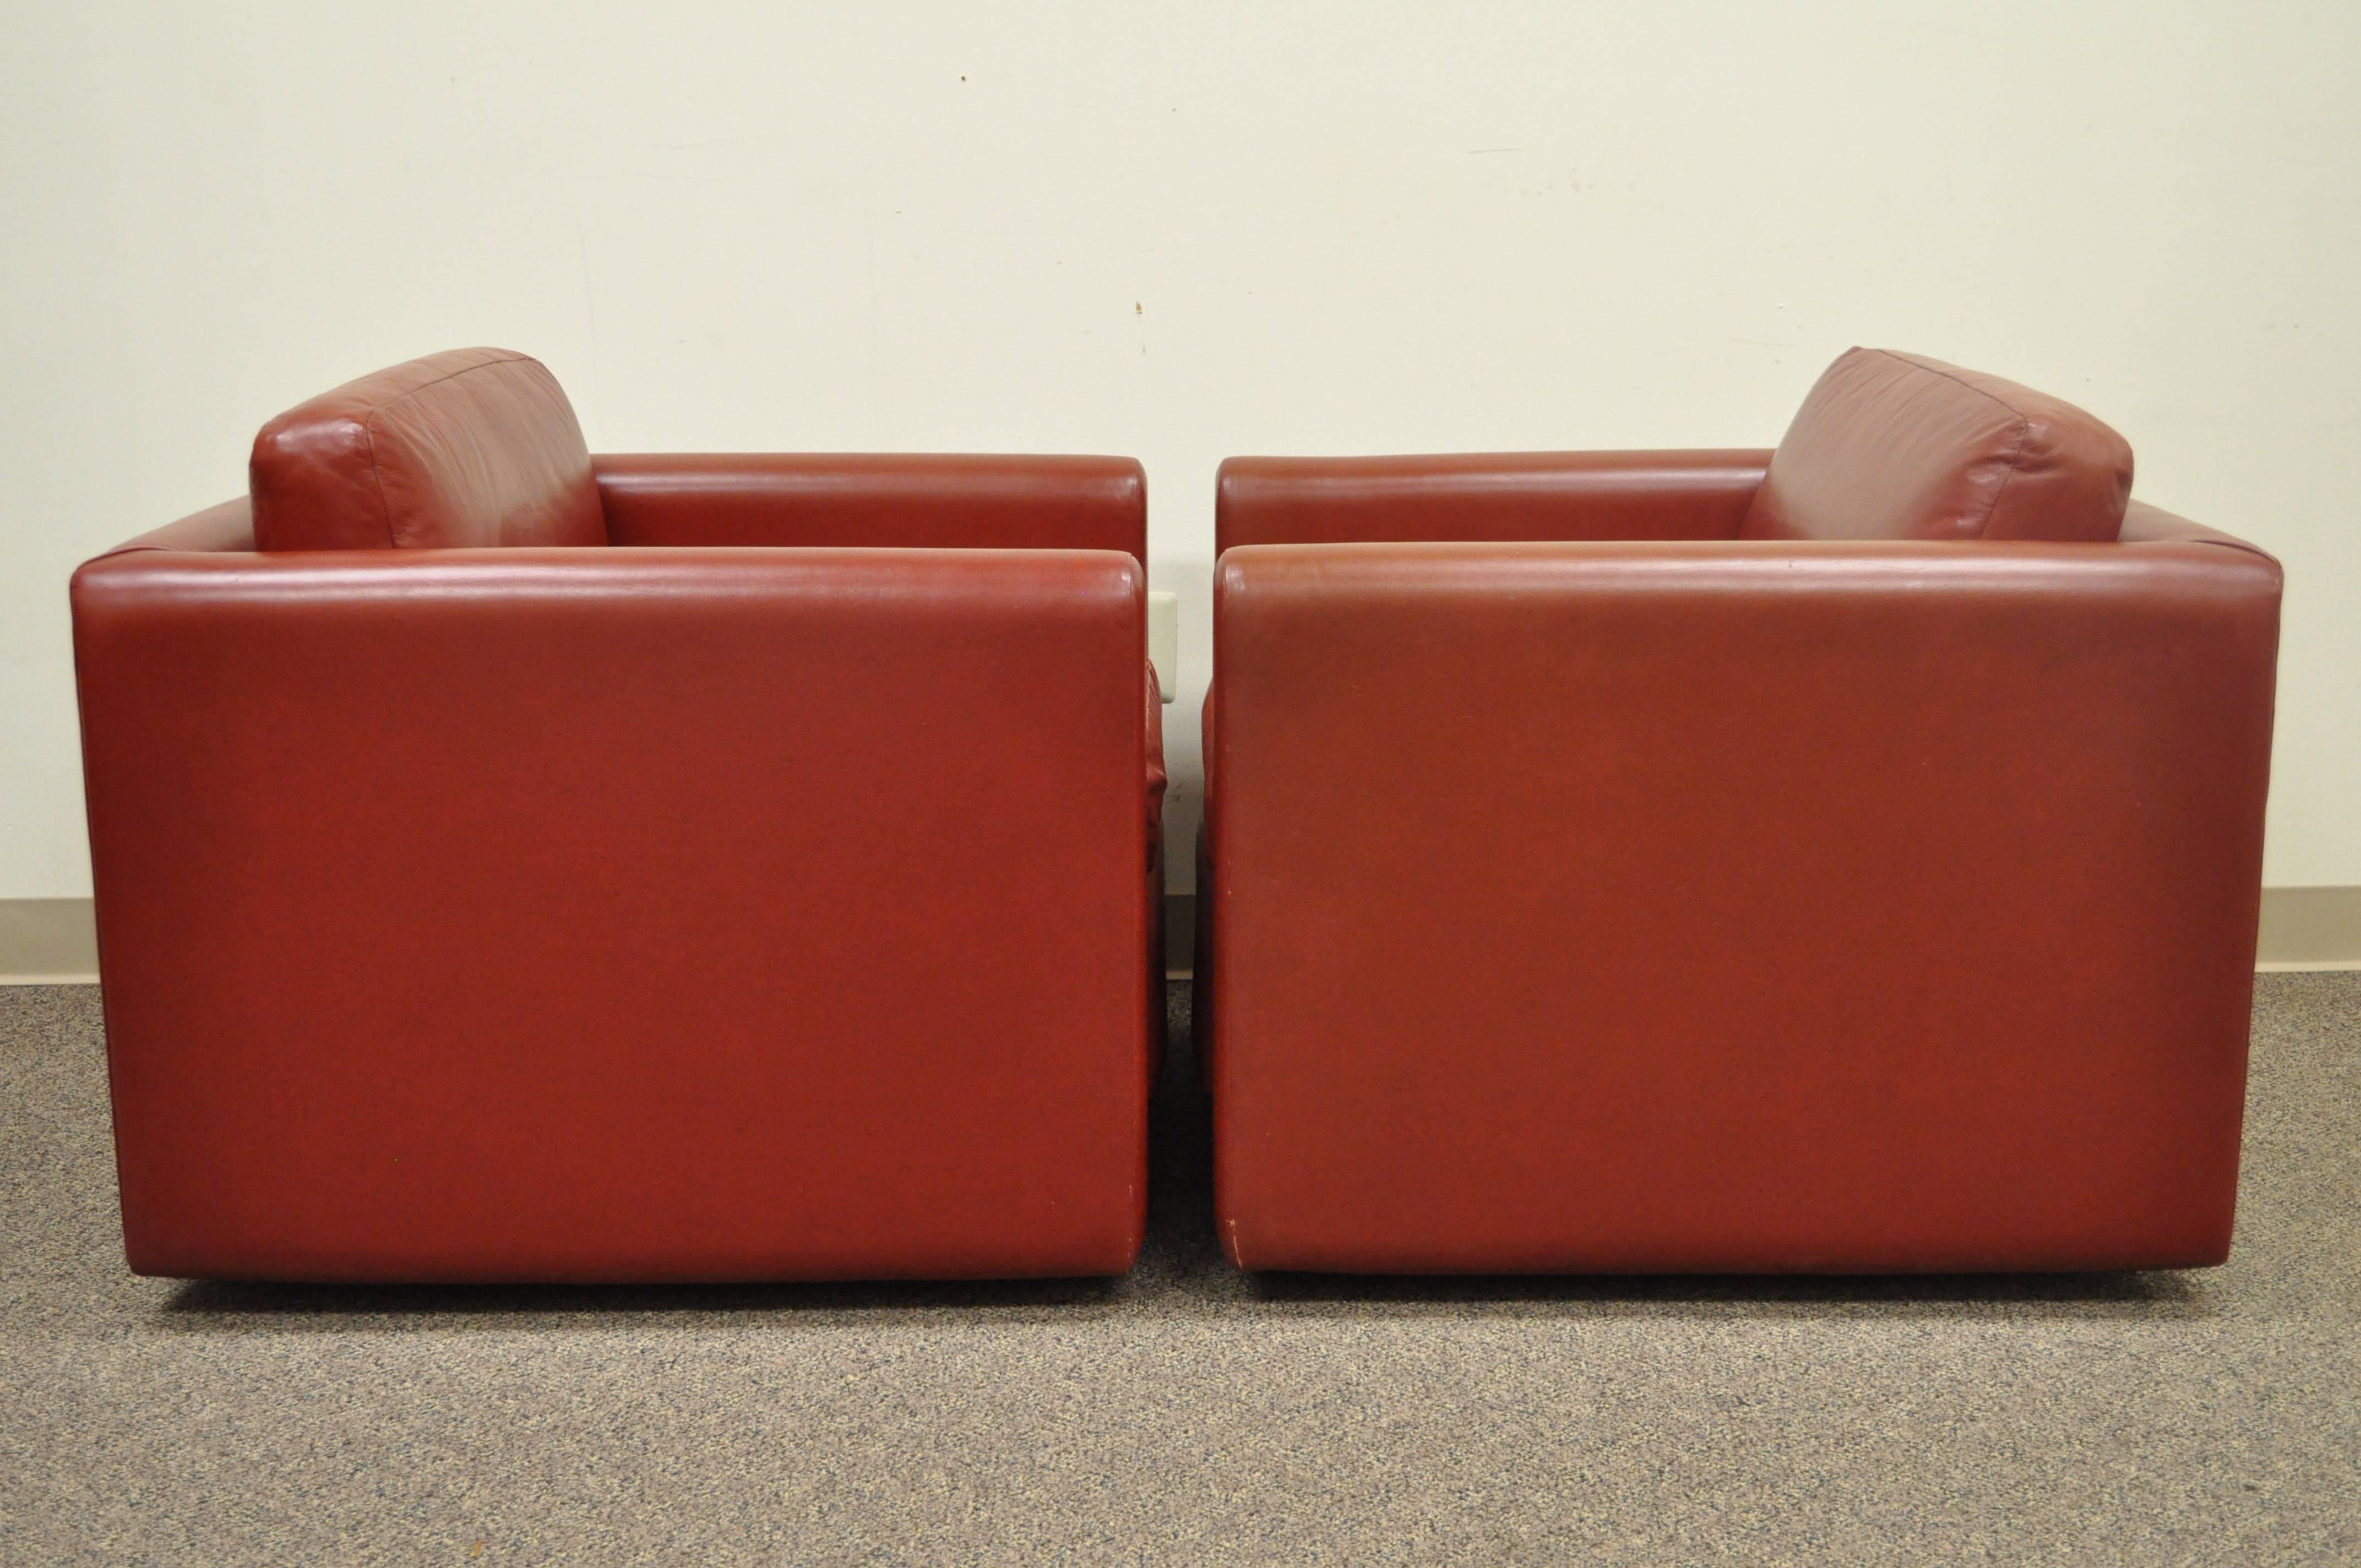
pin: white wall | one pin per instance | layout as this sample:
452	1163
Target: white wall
1179	233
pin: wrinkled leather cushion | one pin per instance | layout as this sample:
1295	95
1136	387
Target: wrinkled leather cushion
1893	447
474	447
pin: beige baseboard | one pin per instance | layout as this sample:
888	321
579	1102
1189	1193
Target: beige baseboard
47	941
2310	927
53	941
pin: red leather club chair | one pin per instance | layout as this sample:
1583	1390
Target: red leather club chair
1839	859
518	865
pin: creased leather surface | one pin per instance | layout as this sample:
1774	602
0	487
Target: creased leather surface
1896	446
1485	495
1735	906
474	447
907	499
622	915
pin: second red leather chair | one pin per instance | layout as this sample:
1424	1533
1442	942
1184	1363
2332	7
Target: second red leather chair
1844	858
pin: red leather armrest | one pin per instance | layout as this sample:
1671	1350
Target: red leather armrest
899	500
229	526
2146	524
1485	496
637	914
1735	905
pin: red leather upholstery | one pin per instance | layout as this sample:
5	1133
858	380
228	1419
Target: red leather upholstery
608	915
912	499
2144	524
229	526
899	500
1893	447
677	913
477	446
1727	905
1504	496
1475	496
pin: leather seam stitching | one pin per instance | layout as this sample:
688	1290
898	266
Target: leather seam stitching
2016	453
376	475
1946	375
368	429
2023	431
451	376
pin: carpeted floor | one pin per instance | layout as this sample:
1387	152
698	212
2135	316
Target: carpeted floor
1188	1415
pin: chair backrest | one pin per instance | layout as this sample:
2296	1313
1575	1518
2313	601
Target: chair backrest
1893	447
474	447
1485	497
905	500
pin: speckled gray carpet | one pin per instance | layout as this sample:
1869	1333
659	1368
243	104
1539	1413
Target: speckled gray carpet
1188	1415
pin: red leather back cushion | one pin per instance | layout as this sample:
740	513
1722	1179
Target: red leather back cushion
1892	446
474	447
